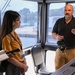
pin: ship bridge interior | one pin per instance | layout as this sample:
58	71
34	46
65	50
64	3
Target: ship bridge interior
37	21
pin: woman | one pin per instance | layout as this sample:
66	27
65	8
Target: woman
11	21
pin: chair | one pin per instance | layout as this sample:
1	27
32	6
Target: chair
38	59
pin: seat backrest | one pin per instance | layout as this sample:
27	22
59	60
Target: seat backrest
37	55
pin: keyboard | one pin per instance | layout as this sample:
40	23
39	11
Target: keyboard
67	69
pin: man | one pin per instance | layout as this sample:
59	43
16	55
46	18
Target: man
64	33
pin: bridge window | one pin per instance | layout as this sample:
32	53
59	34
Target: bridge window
28	11
55	12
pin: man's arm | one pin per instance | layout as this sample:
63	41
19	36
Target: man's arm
54	35
57	37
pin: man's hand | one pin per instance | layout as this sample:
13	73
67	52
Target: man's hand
73	31
59	37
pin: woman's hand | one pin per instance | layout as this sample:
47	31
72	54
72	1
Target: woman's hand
25	64
25	67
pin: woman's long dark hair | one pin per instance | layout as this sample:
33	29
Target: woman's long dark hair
0	39
8	19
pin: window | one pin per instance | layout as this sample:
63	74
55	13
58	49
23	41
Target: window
28	11
55	12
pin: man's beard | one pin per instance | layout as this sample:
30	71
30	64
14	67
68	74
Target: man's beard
67	16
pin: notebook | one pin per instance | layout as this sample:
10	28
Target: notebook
3	55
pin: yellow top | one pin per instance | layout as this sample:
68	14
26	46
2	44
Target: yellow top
9	44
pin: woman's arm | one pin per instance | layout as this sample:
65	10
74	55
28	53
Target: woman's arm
17	63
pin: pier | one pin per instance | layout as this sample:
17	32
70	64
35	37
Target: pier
30	32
